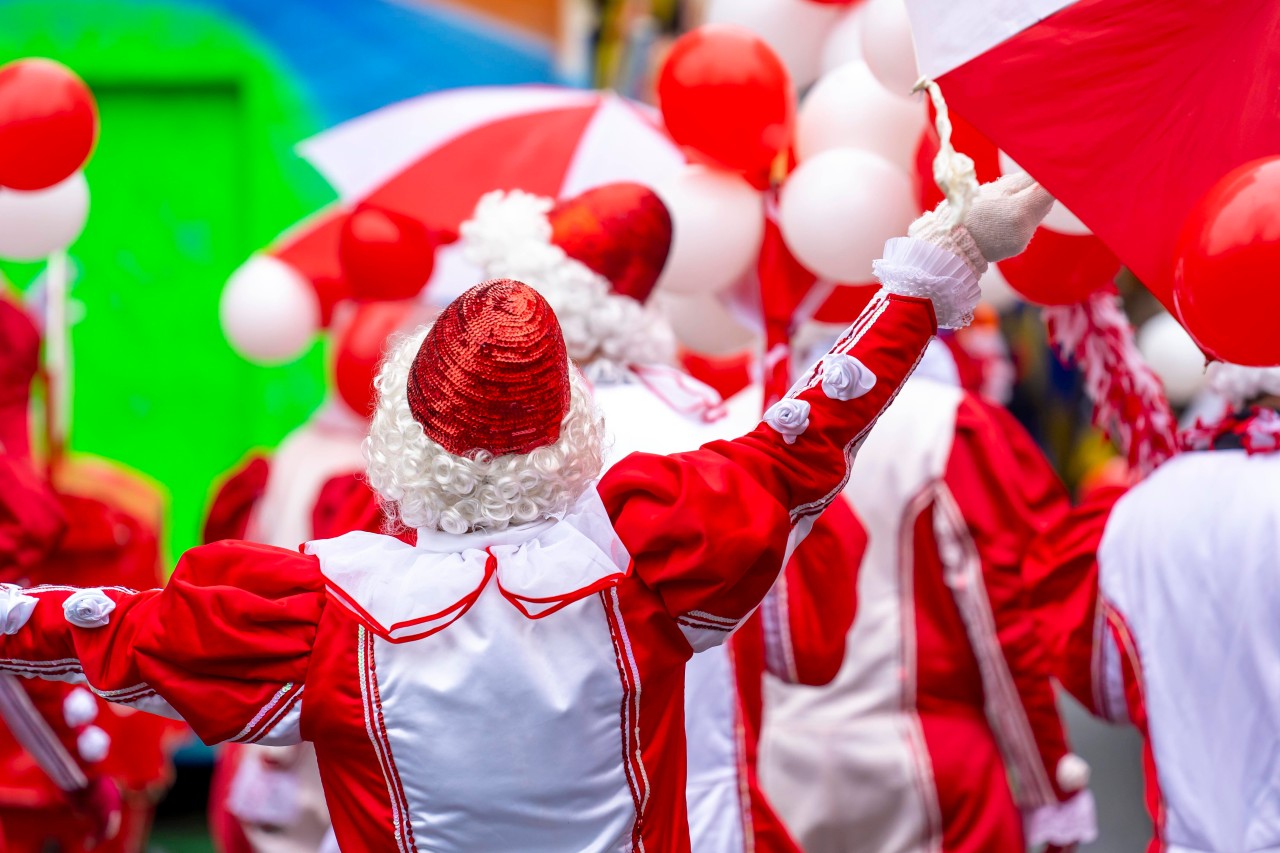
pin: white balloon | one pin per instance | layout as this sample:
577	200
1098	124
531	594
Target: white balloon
269	312
887	46
996	290
1059	218
844	44
1174	357
34	225
848	108
703	323
795	29
717	225
837	210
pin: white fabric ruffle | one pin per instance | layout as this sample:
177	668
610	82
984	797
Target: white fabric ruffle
912	267
846	378
404	592
88	608
15	608
1073	821
789	417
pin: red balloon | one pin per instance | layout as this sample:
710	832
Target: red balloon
48	124
1224	276
1060	269
361	345
384	254
727	98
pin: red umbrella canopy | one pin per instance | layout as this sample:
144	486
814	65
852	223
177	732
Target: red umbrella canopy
432	157
1128	111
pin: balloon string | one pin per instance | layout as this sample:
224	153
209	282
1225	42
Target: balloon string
57	356
953	172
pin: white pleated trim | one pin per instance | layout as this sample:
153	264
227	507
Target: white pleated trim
913	267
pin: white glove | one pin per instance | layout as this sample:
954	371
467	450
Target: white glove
15	608
998	225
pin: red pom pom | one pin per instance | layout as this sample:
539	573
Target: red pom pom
621	231
384	254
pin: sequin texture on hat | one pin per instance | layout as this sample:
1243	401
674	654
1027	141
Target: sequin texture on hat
492	374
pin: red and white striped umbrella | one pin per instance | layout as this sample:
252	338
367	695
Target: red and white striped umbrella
433	156
1128	111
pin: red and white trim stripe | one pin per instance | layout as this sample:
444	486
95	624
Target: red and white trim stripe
963	576
629	715
375	726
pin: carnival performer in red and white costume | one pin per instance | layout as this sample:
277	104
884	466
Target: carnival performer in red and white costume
515	679
272	795
945	687
596	258
66	755
1161	602
270	798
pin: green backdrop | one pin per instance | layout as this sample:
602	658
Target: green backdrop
194	170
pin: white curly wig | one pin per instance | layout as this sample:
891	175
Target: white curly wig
510	237
424	486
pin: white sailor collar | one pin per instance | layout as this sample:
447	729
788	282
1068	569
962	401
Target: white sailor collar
406	592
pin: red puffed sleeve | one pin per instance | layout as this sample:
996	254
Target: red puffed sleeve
228	516
1001	493
807	614
1062	570
708	530
224	646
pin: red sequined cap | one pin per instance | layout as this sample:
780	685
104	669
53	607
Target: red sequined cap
492	374
620	231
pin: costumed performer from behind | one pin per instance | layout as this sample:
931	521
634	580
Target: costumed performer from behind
1160	603
597	257
945	692
515	679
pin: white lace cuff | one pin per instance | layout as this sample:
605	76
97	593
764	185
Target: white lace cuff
15	608
1062	824
914	267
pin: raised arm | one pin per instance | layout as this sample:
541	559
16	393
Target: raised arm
709	530
224	646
